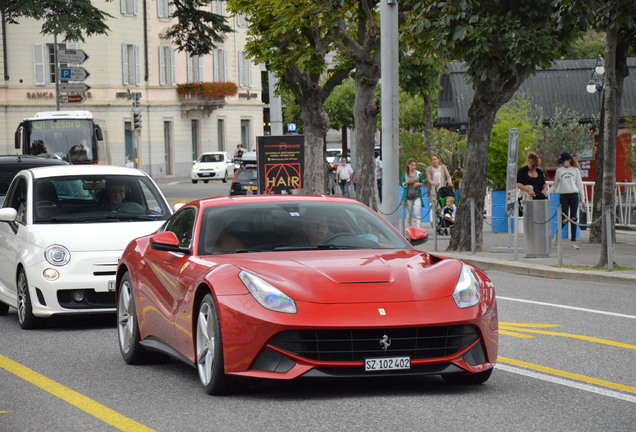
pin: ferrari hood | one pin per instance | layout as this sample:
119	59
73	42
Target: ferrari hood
83	237
356	276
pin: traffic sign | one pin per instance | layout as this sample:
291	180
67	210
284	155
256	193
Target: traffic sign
73	98
73	56
74	73
74	87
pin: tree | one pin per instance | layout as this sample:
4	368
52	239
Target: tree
502	43
562	133
196	29
75	19
293	40
339	108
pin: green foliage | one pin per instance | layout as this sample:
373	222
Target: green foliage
563	134
72	19
339	105
449	146
516	114
411	112
590	45
197	28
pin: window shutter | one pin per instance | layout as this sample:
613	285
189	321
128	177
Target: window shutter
190	68
248	66
200	68
162	67
39	56
173	68
216	65
124	63
123	6
241	70
137	66
135	7
226	72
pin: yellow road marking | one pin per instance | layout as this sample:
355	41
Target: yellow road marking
82	402
574	376
528	324
573	336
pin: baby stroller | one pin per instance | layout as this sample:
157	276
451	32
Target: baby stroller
444	221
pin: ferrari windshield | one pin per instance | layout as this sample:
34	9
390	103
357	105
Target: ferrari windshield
285	226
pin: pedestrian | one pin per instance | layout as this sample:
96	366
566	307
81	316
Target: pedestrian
531	181
238	153
569	184
437	176
344	176
378	174
413	195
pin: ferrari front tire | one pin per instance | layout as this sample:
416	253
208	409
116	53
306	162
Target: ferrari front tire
468	378
209	350
26	318
128	326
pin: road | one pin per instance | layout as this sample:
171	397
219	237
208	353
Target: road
566	364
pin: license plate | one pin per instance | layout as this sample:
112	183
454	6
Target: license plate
206	175
251	187
386	363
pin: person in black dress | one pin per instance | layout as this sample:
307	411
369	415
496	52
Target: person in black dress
531	180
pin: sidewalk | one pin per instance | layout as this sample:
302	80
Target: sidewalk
498	254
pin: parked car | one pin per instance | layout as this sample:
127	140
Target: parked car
284	287
212	166
245	181
62	232
11	164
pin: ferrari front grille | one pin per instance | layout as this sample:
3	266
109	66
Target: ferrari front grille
355	345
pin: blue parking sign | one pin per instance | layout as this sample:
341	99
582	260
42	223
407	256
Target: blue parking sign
65	73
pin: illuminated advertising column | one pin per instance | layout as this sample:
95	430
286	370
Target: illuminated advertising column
280	163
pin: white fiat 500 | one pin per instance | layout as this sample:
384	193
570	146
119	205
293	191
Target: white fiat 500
62	232
213	166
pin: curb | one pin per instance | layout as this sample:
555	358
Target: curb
526	269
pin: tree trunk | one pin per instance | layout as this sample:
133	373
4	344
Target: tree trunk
365	112
616	71
597	202
490	95
315	126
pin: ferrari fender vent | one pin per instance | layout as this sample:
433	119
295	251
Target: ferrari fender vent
355	345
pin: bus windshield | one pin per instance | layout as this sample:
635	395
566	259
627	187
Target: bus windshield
69	139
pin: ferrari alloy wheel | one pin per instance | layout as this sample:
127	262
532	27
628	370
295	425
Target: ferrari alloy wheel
468	378
209	348
127	325
25	307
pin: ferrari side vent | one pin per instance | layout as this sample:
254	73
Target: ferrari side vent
356	344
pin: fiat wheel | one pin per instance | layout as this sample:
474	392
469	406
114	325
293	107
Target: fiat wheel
127	325
25	306
209	350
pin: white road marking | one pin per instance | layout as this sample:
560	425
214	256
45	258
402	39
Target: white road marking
568	383
568	307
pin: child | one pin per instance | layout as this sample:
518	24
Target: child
448	213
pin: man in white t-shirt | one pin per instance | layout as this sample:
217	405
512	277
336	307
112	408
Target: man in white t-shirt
344	176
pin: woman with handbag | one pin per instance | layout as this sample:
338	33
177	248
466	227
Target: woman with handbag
412	197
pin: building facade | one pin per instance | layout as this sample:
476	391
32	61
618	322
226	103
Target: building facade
136	57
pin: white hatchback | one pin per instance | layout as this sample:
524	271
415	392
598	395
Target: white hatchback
213	166
62	232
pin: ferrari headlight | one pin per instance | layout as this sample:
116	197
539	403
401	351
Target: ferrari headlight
57	255
267	295
467	292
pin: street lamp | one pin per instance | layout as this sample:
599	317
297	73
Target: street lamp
596	82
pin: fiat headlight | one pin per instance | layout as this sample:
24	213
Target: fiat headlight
467	292
267	294
57	255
